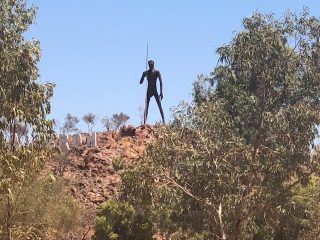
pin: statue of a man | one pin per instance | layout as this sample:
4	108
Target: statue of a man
152	74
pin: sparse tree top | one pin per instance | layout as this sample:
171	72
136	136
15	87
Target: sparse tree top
90	119
70	124
115	122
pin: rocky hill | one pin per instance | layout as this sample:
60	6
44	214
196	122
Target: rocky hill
89	171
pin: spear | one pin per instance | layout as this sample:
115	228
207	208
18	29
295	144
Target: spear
145	101
147	56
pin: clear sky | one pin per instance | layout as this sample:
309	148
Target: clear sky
95	50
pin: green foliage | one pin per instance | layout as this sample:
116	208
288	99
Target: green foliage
119	220
306	199
29	204
228	164
41	205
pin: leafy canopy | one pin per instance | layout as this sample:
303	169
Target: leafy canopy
24	105
228	165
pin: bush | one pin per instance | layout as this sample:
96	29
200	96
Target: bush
119	220
42	206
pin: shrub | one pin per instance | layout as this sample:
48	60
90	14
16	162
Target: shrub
42	206
119	220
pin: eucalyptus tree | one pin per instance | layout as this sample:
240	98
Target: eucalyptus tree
229	164
114	122
24	101
107	123
70	123
119	119
90	119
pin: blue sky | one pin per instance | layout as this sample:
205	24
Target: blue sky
95	50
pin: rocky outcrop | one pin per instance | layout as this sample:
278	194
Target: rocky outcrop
89	171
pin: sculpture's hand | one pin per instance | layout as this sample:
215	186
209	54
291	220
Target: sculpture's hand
144	74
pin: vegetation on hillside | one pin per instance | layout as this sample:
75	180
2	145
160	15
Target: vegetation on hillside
239	162
114	122
30	204
119	220
90	119
69	125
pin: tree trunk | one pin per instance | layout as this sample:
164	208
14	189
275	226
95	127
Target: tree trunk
236	228
7	233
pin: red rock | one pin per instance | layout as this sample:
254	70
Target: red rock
89	172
